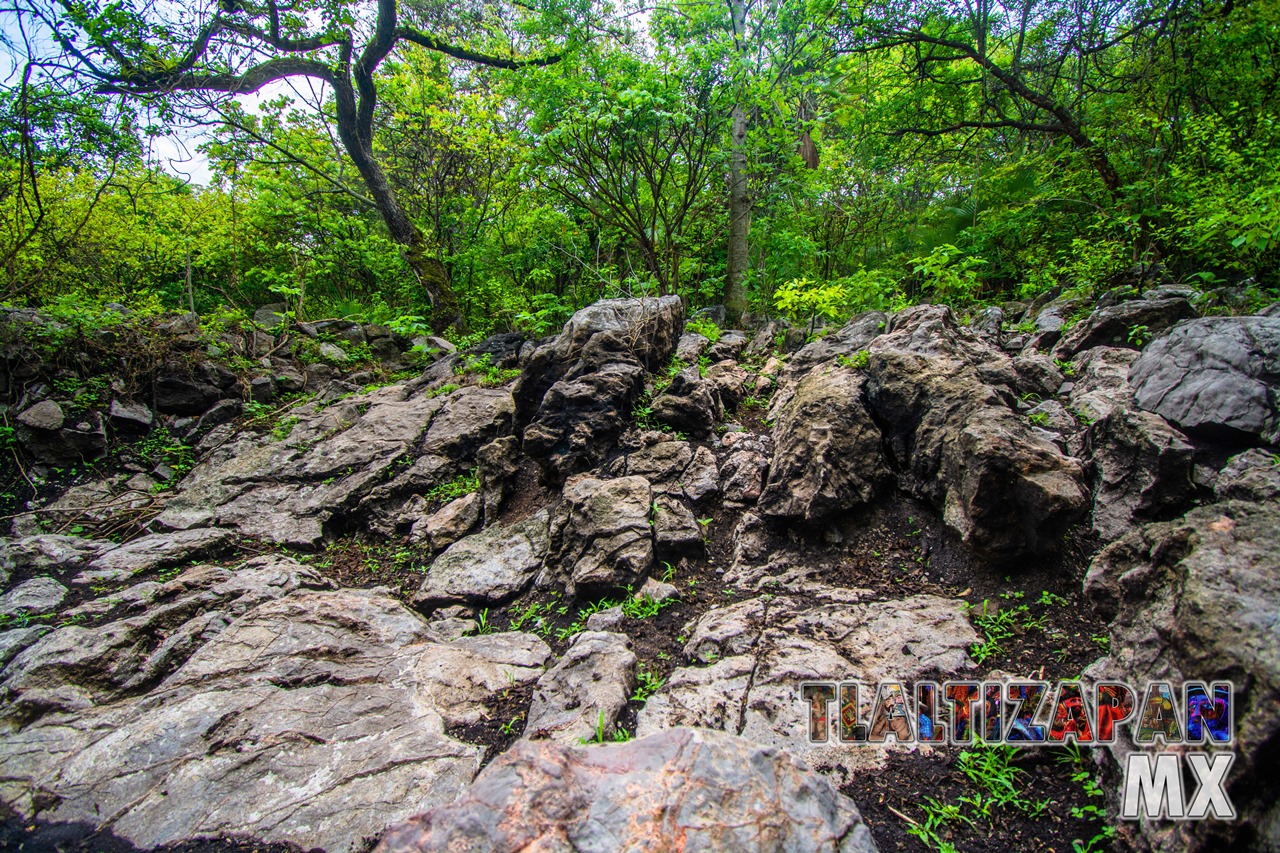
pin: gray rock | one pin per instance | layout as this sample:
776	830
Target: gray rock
828	455
684	789
271	315
1039	374
1101	382
45	415
1250	476
51	552
34	597
600	533
1217	376
662	462
450	523
1052	415
1195	599
488	566
690	347
657	591
742	473
157	551
1141	468
729	347
333	353
315	719
497	464
609	619
15	640
177	393
1113	325
262	389
702	477
676	532
585	691
690	404
853	336
130	416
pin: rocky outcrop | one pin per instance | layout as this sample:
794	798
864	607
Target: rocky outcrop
1216	376
1141	467
489	566
1195	599
1124	324
579	699
316	718
600	533
683	789
690	404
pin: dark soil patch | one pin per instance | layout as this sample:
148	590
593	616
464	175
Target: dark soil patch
892	798
504	726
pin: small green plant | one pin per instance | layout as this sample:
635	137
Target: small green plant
482	366
459	486
996	625
1139	335
804	301
648	683
858	361
443	390
1038	418
483	625
1102	641
509	728
1052	599
705	327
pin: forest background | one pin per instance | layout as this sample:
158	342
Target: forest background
482	166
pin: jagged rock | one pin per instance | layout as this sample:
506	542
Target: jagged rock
1217	376
1041	376
50	552
178	394
157	551
15	640
315	719
763	648
34	597
827	455
702	478
333	353
684	789
262	389
129	416
450	523
579	418
271	315
989	324
609	619
497	464
729	347
1052	415
1195	599
1141	468
84	440
853	336
690	347
46	416
730	382
1112	325
600	533
742	473
1249	476
662	462
585	691
488	566
690	404
657	591
1101	382
676	532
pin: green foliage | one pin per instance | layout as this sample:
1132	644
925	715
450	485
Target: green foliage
949	274
804	301
482	366
648	683
858	361
459	486
705	327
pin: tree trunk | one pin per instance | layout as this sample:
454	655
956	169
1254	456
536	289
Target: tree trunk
735	288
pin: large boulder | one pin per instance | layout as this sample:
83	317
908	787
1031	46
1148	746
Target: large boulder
1141	468
317	718
827	450
1196	599
1124	324
579	699
684	789
600	533
690	404
846	341
1216	376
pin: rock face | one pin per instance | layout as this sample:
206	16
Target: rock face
759	650
683	789
1114	325
581	696
827	450
600	533
690	404
1196	599
576	393
489	566
316	718
1217	376
1142	468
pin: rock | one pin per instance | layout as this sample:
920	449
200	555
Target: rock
178	394
51	552
333	353
846	341
676	532
609	619
600	533
742	474
690	347
663	462
762	648
1217	376
497	464
45	415
1101	382
221	412
657	591
1195	599
989	323
128	416
1250	476
15	640
262	389
315	719
271	315
730	382
585	691
828	455
34	597
1039	374
1141	469
1052	415
579	419
690	404
489	566
1113	325
702	478
729	347
450	523
684	790
157	551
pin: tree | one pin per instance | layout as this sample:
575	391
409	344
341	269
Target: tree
238	46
